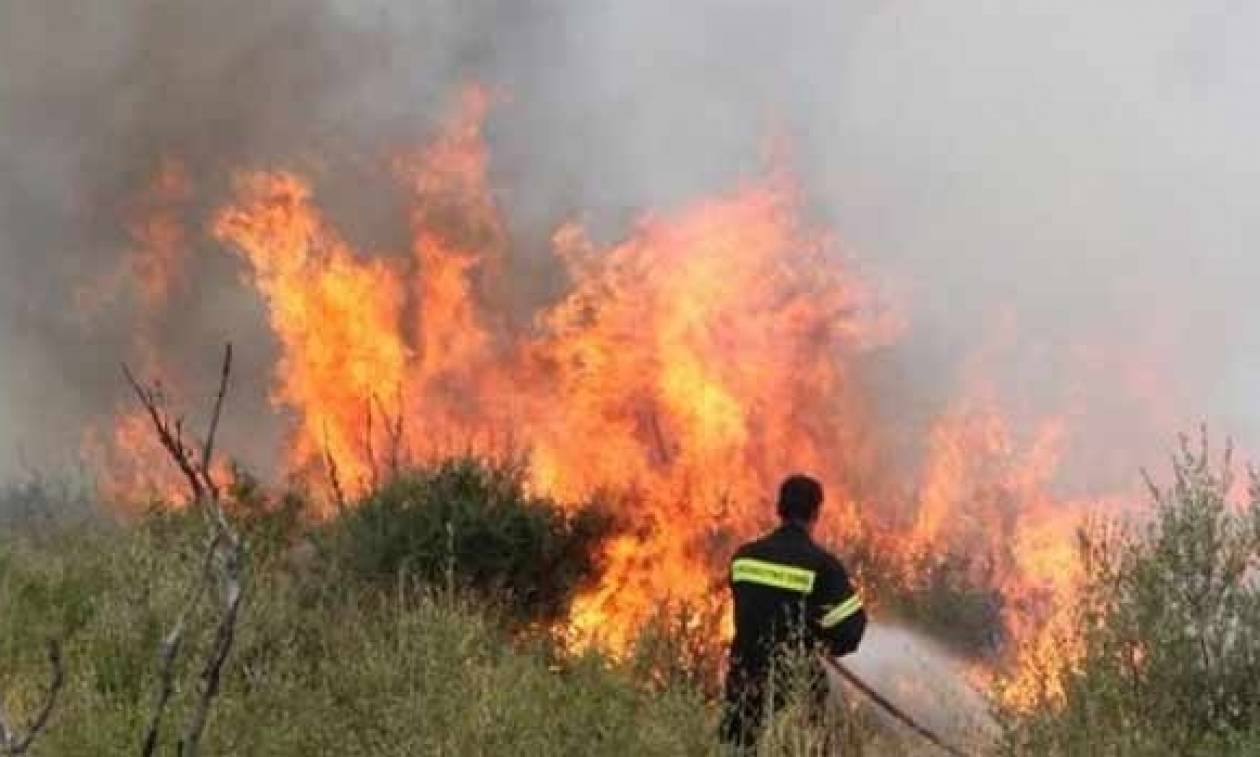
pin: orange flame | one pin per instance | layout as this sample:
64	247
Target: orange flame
131	465
690	365
337	318
158	230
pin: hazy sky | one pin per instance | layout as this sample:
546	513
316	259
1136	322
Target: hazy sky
1071	182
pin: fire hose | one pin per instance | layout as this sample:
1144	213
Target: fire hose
891	708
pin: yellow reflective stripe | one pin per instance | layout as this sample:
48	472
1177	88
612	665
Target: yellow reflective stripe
773	574
841	611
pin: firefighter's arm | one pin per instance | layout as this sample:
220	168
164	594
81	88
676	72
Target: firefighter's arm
841	619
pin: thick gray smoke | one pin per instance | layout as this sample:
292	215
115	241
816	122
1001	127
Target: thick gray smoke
1061	193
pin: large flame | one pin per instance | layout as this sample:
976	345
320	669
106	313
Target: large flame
337	318
127	459
688	367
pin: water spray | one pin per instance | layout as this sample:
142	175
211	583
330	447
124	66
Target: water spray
890	708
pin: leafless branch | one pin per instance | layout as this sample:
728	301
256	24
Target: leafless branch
13	743
225	545
373	475
169	431
207	451
395	430
233	555
334	476
212	671
171	645
658	436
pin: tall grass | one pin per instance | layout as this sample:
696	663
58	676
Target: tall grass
1170	628
418	623
396	630
317	669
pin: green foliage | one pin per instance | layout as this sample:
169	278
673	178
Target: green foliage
473	523
943	596
952	597
316	669
1170	623
271	525
800	727
363	638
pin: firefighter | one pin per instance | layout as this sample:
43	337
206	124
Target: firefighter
791	598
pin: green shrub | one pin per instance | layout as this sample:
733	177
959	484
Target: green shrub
1170	628
270	524
315	670
950	596
943	596
368	651
474	523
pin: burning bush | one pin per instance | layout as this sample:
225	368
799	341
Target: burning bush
473	522
1168	626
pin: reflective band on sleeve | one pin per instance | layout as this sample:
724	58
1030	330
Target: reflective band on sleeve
772	574
842	611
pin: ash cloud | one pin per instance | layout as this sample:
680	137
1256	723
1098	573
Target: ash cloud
1067	191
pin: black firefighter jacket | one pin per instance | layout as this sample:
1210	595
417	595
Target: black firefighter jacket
788	590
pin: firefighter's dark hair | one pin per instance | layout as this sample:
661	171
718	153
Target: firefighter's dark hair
799	498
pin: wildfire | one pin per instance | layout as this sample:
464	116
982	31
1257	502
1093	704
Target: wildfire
688	366
128	461
157	228
336	316
119	458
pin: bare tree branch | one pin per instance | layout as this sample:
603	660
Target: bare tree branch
212	672
233	556
207	451
395	431
225	545
5	730
11	743
171	645
334	476
373	475
169	431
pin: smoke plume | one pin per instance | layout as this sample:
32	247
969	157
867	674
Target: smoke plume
1060	196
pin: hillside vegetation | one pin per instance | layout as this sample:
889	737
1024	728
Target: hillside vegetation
1169	625
410	626
420	622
